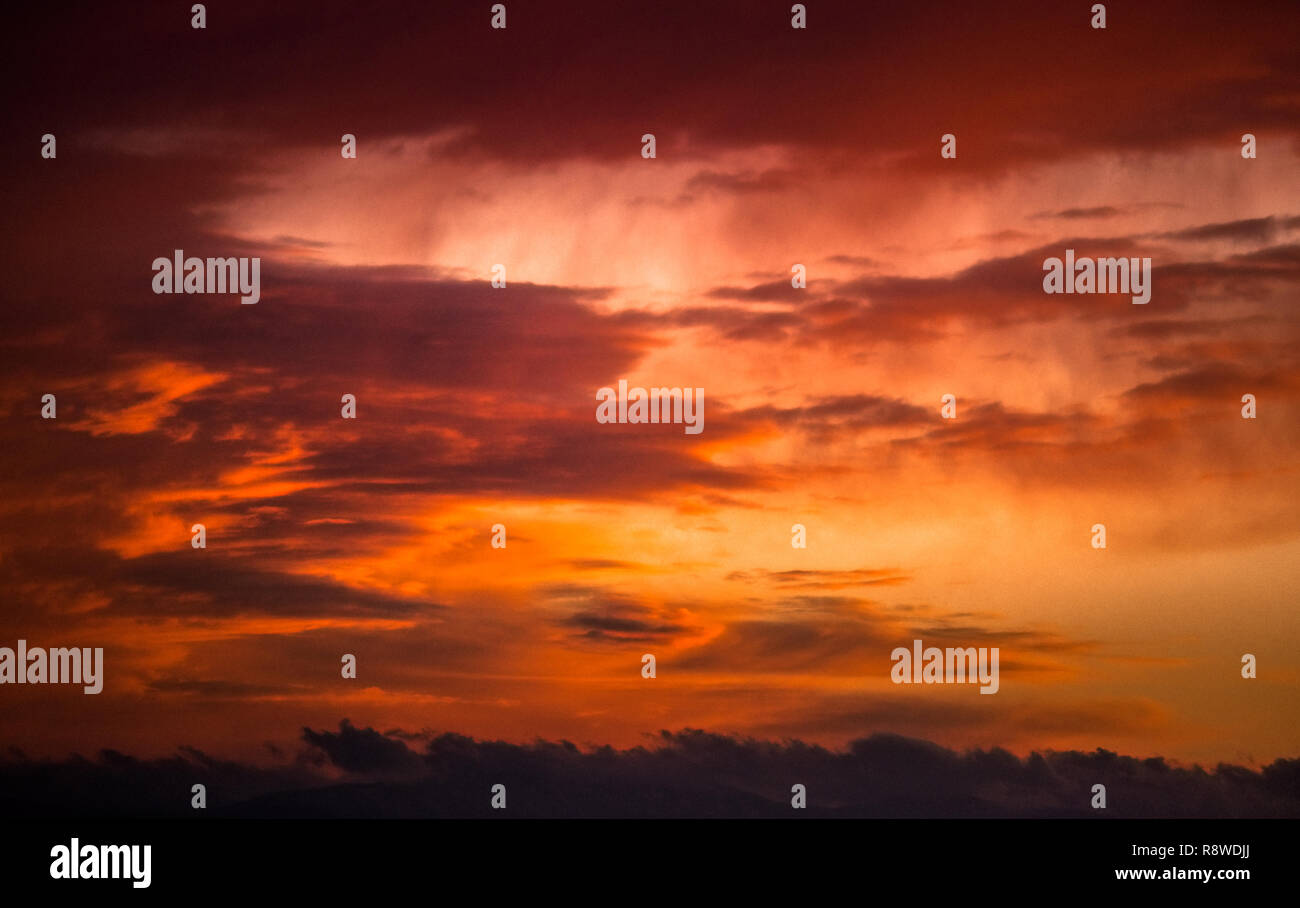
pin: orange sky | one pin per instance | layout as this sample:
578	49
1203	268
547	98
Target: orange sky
476	406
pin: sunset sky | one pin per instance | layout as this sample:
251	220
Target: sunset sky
476	405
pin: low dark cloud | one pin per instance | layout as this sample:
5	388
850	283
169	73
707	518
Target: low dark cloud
360	772
362	750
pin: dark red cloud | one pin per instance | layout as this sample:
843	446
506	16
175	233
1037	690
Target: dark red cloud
587	79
